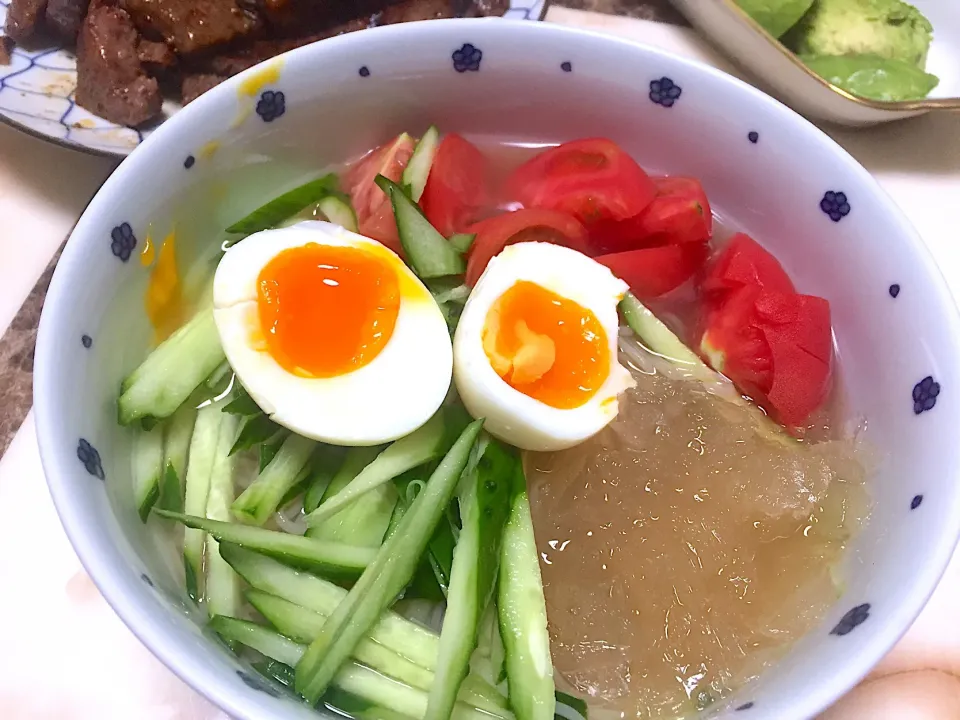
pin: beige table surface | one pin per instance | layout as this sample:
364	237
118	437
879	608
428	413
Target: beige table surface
66	656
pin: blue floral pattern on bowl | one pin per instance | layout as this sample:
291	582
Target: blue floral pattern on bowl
271	105
665	92
925	394
467	58
853	619
835	205
88	455
37	95
122	241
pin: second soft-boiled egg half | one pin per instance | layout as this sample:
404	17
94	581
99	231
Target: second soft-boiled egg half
332	334
535	352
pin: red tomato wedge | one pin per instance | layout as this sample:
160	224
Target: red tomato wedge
652	272
456	186
742	263
680	213
594	180
373	208
776	347
495	233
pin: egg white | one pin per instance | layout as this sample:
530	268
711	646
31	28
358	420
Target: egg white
389	397
510	415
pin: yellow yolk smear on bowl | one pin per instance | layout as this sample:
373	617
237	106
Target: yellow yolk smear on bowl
327	310
164	300
546	346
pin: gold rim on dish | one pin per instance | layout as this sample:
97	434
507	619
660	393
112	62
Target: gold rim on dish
893	105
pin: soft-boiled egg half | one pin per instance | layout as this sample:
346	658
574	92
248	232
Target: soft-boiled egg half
535	352
332	334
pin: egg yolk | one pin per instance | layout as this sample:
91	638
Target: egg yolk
327	310
546	346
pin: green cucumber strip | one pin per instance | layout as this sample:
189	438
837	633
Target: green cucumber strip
148	467
360	681
268	450
456	295
256	429
303	625
487	660
341	703
327	465
398	512
275	670
203	453
439	556
424	444
262	498
171	490
262	639
523	613
222	588
400	635
427	251
355	459
298	487
286	205
172	371
176	449
484	496
418	168
386	576
295	550
339	212
364	521
462	241
242	405
660	340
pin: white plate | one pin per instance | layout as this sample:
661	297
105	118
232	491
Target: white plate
37	95
728	27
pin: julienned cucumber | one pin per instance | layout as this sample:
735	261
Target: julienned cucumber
355	459
462	242
523	613
262	639
296	550
339	212
222	588
286	205
417	170
147	468
426	249
400	635
203	453
259	501
426	443
363	521
387	575
176	449
304	625
484	496
172	371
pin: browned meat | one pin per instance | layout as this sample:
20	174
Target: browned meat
192	25
240	58
157	58
24	18
111	82
197	84
64	17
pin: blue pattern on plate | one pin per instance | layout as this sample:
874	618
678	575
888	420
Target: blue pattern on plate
835	204
664	92
854	617
88	455
566	66
364	71
753	136
37	95
894	290
745	706
915	503
122	241
925	395
255	682
86	341
467	58
271	105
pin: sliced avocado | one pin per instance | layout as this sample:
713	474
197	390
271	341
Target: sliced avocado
873	77
889	28
776	16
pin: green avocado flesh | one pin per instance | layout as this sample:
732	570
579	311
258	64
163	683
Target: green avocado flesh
873	77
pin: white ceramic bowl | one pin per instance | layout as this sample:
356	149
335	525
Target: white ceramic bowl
765	169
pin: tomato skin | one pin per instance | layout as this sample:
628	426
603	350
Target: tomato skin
373	208
592	179
680	213
495	233
743	262
456	187
652	272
